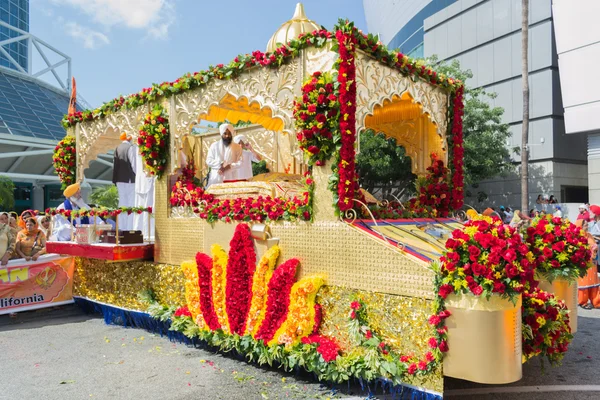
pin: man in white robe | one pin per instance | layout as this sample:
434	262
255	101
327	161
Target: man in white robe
244	172
62	226
144	197
224	157
124	177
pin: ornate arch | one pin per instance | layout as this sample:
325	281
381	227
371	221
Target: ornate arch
101	135
268	88
378	86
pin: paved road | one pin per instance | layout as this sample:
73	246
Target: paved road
64	354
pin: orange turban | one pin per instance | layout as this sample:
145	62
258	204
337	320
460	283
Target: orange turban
124	136
488	212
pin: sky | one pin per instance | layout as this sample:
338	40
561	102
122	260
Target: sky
121	46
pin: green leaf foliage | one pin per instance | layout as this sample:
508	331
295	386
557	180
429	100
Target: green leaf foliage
7	193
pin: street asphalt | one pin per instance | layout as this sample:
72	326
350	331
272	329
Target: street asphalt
61	353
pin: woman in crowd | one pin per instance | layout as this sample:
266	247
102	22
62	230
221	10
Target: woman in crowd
31	241
588	294
25	215
44	224
552	200
7	239
12	222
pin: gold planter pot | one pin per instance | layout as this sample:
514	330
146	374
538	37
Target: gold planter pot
565	291
484	339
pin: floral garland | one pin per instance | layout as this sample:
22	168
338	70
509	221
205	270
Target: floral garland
240	272
64	160
561	248
300	320
239	65
262	276
98	212
546	329
486	257
219	284
153	141
326	347
458	152
434	192
344	175
205	266
316	114
278	299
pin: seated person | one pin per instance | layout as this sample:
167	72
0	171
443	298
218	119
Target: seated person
31	241
7	239
61	231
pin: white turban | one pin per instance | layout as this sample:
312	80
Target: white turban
226	127
240	138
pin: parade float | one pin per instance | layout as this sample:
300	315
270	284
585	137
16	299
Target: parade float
294	268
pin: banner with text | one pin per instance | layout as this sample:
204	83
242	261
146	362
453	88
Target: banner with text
27	285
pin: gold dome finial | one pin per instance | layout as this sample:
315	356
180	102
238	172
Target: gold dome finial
292	28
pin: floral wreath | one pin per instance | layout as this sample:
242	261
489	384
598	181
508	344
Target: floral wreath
98	212
65	160
153	141
316	115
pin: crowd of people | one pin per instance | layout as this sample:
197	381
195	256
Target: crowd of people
23	236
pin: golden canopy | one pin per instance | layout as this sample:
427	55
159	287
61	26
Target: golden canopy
292	28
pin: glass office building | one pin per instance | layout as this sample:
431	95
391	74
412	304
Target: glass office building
16	14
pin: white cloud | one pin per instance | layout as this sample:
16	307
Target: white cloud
90	38
153	16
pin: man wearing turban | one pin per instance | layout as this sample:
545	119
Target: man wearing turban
124	170
224	157
249	156
62	226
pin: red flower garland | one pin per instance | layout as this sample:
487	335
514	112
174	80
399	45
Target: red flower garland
183	312
153	141
347	184
205	264
318	318
64	160
316	116
240	270
278	299
458	152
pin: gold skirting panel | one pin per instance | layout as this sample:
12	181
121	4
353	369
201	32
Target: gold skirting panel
119	283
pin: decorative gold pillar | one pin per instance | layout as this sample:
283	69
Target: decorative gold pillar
485	339
567	292
323	197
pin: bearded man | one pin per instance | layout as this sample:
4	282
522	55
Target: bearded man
224	157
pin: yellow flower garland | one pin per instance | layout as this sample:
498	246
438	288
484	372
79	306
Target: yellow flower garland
219	282
300	319
192	291
262	275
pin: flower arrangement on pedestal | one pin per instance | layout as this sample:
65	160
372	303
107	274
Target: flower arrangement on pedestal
434	197
64	160
560	248
316	115
546	329
153	141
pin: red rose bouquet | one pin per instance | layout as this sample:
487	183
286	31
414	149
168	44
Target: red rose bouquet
486	257
560	248
64	160
434	192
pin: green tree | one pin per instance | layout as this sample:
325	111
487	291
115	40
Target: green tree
485	135
7	193
383	166
105	196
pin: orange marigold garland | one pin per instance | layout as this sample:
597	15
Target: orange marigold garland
64	160
278	299
300	320
262	275
219	283
153	141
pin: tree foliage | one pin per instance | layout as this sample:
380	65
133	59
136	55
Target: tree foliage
485	135
105	196
7	193
382	164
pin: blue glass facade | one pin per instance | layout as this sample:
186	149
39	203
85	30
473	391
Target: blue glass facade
14	13
409	38
30	109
